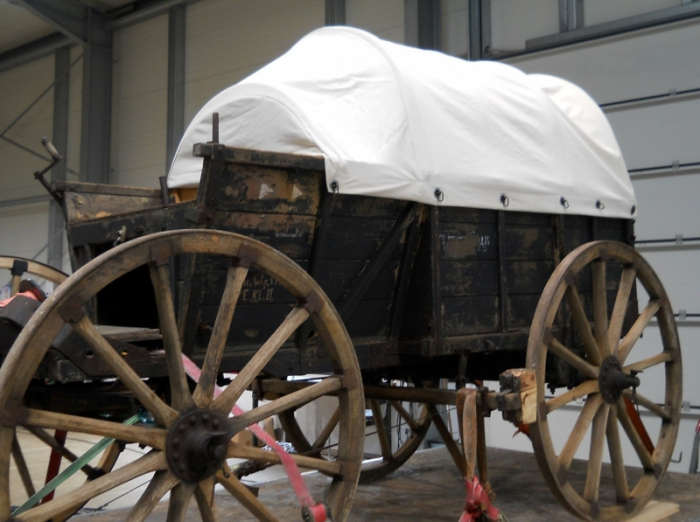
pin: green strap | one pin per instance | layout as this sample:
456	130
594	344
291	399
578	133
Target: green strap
70	470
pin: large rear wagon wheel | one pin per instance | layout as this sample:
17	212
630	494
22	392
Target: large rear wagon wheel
199	414
609	390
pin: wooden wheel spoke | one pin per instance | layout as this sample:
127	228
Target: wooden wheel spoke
384	440
617	319
595	457
162	482
14	284
572	444
638	327
582	325
446	436
636	438
181	398
650	405
239	451
292	401
244	496
642	365
180	498
600	307
622	491
153	437
415	428
215	351
154	461
21	464
561	351
204	495
224	403
163	414
583	389
325	434
50	441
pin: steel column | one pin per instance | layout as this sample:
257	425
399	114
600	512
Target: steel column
476	36
60	140
570	15
176	81
96	102
335	12
423	23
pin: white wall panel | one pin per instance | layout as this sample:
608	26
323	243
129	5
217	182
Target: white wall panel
139	103
24	231
513	23
20	87
658	135
629	66
384	18
668	206
455	27
229	39
599	11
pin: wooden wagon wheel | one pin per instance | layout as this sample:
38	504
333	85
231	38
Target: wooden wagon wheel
186	468
613	387
29	267
414	416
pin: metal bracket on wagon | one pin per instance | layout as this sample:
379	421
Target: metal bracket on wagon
518	396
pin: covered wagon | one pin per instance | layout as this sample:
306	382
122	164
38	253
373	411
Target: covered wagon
357	215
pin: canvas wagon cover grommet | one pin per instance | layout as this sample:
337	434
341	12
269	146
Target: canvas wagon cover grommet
396	122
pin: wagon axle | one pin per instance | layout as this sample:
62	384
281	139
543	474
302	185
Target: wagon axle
196	446
613	380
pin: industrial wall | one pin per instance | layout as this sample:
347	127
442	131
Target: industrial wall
227	40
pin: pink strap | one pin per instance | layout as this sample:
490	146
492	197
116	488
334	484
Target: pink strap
477	503
290	466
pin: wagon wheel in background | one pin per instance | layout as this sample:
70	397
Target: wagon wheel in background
185	466
411	417
27	266
55	448
616	378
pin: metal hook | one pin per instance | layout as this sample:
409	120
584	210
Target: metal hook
679	459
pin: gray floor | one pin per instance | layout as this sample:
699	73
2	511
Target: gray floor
429	487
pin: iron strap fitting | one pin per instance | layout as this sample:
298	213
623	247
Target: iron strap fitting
320	512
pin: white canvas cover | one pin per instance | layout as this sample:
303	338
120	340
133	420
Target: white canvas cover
399	122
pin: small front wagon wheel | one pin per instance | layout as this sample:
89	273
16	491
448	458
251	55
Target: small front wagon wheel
621	388
186	449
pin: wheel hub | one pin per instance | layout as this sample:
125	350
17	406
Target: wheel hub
196	445
613	380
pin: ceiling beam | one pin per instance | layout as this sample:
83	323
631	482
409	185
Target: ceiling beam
69	16
40	48
141	11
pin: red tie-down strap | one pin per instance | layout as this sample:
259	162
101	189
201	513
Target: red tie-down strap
311	511
478	503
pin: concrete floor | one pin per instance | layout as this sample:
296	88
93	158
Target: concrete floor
429	488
